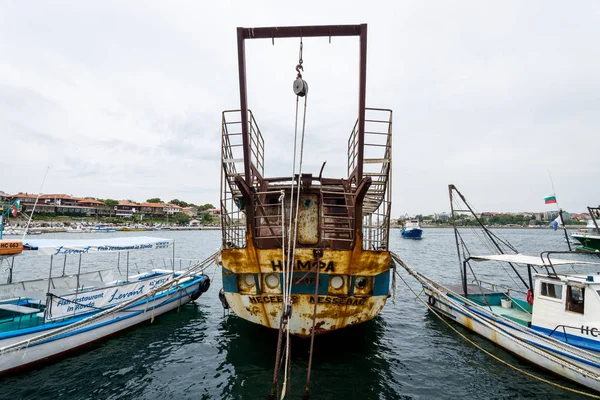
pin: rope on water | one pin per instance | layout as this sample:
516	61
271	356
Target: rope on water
529	374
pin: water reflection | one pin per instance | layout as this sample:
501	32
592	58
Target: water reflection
349	363
122	366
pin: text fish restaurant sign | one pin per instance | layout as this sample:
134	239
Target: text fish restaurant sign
74	304
72	247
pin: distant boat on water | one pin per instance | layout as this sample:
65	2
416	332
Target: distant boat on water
411	229
590	239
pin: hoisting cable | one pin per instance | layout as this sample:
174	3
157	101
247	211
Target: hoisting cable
300	89
529	374
282	320
294	218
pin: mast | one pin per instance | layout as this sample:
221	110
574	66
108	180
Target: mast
463	277
489	234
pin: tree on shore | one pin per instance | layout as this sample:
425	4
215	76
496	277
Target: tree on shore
180	203
182	218
154	200
110	203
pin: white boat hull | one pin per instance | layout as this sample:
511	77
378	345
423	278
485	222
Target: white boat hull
550	354
104	326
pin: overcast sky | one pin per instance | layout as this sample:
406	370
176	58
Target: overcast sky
123	99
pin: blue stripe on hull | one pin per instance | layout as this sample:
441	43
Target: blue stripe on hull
381	283
532	330
573	340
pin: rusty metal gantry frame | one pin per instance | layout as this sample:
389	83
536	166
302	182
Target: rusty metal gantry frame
302	32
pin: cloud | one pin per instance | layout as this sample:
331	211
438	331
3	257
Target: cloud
124	100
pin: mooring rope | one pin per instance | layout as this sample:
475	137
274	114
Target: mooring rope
312	331
529	374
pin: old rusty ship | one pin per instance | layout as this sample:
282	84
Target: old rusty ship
305	251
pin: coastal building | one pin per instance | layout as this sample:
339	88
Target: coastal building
152	209
214	212
171	209
26	200
443	217
190	211
126	209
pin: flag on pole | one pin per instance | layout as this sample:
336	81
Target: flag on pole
555	223
14	209
550	199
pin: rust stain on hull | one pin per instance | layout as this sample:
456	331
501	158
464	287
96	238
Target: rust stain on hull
263	305
250	260
328	318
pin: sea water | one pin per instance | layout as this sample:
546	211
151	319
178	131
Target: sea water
200	352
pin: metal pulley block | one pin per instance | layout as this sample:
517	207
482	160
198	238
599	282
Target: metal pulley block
300	87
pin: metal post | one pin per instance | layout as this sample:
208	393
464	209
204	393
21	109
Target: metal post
593	217
173	261
50	274
450	188
464	276
530	278
127	273
564	228
64	266
48	298
10	271
244	103
119	262
77	288
362	95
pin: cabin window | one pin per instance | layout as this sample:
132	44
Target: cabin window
551	290
575	297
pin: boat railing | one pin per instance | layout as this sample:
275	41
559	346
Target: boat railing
377	164
564	330
495	286
268	216
232	166
376	228
337	221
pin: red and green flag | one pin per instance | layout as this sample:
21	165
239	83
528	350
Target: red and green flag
550	200
14	209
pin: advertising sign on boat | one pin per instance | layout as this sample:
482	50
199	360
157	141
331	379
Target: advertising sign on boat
95	300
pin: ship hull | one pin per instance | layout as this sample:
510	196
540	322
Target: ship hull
412	234
588	241
352	287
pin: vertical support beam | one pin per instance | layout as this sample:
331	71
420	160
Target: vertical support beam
562	221
362	98
244	103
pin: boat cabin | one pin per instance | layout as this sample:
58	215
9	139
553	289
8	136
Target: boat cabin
568	306
564	306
